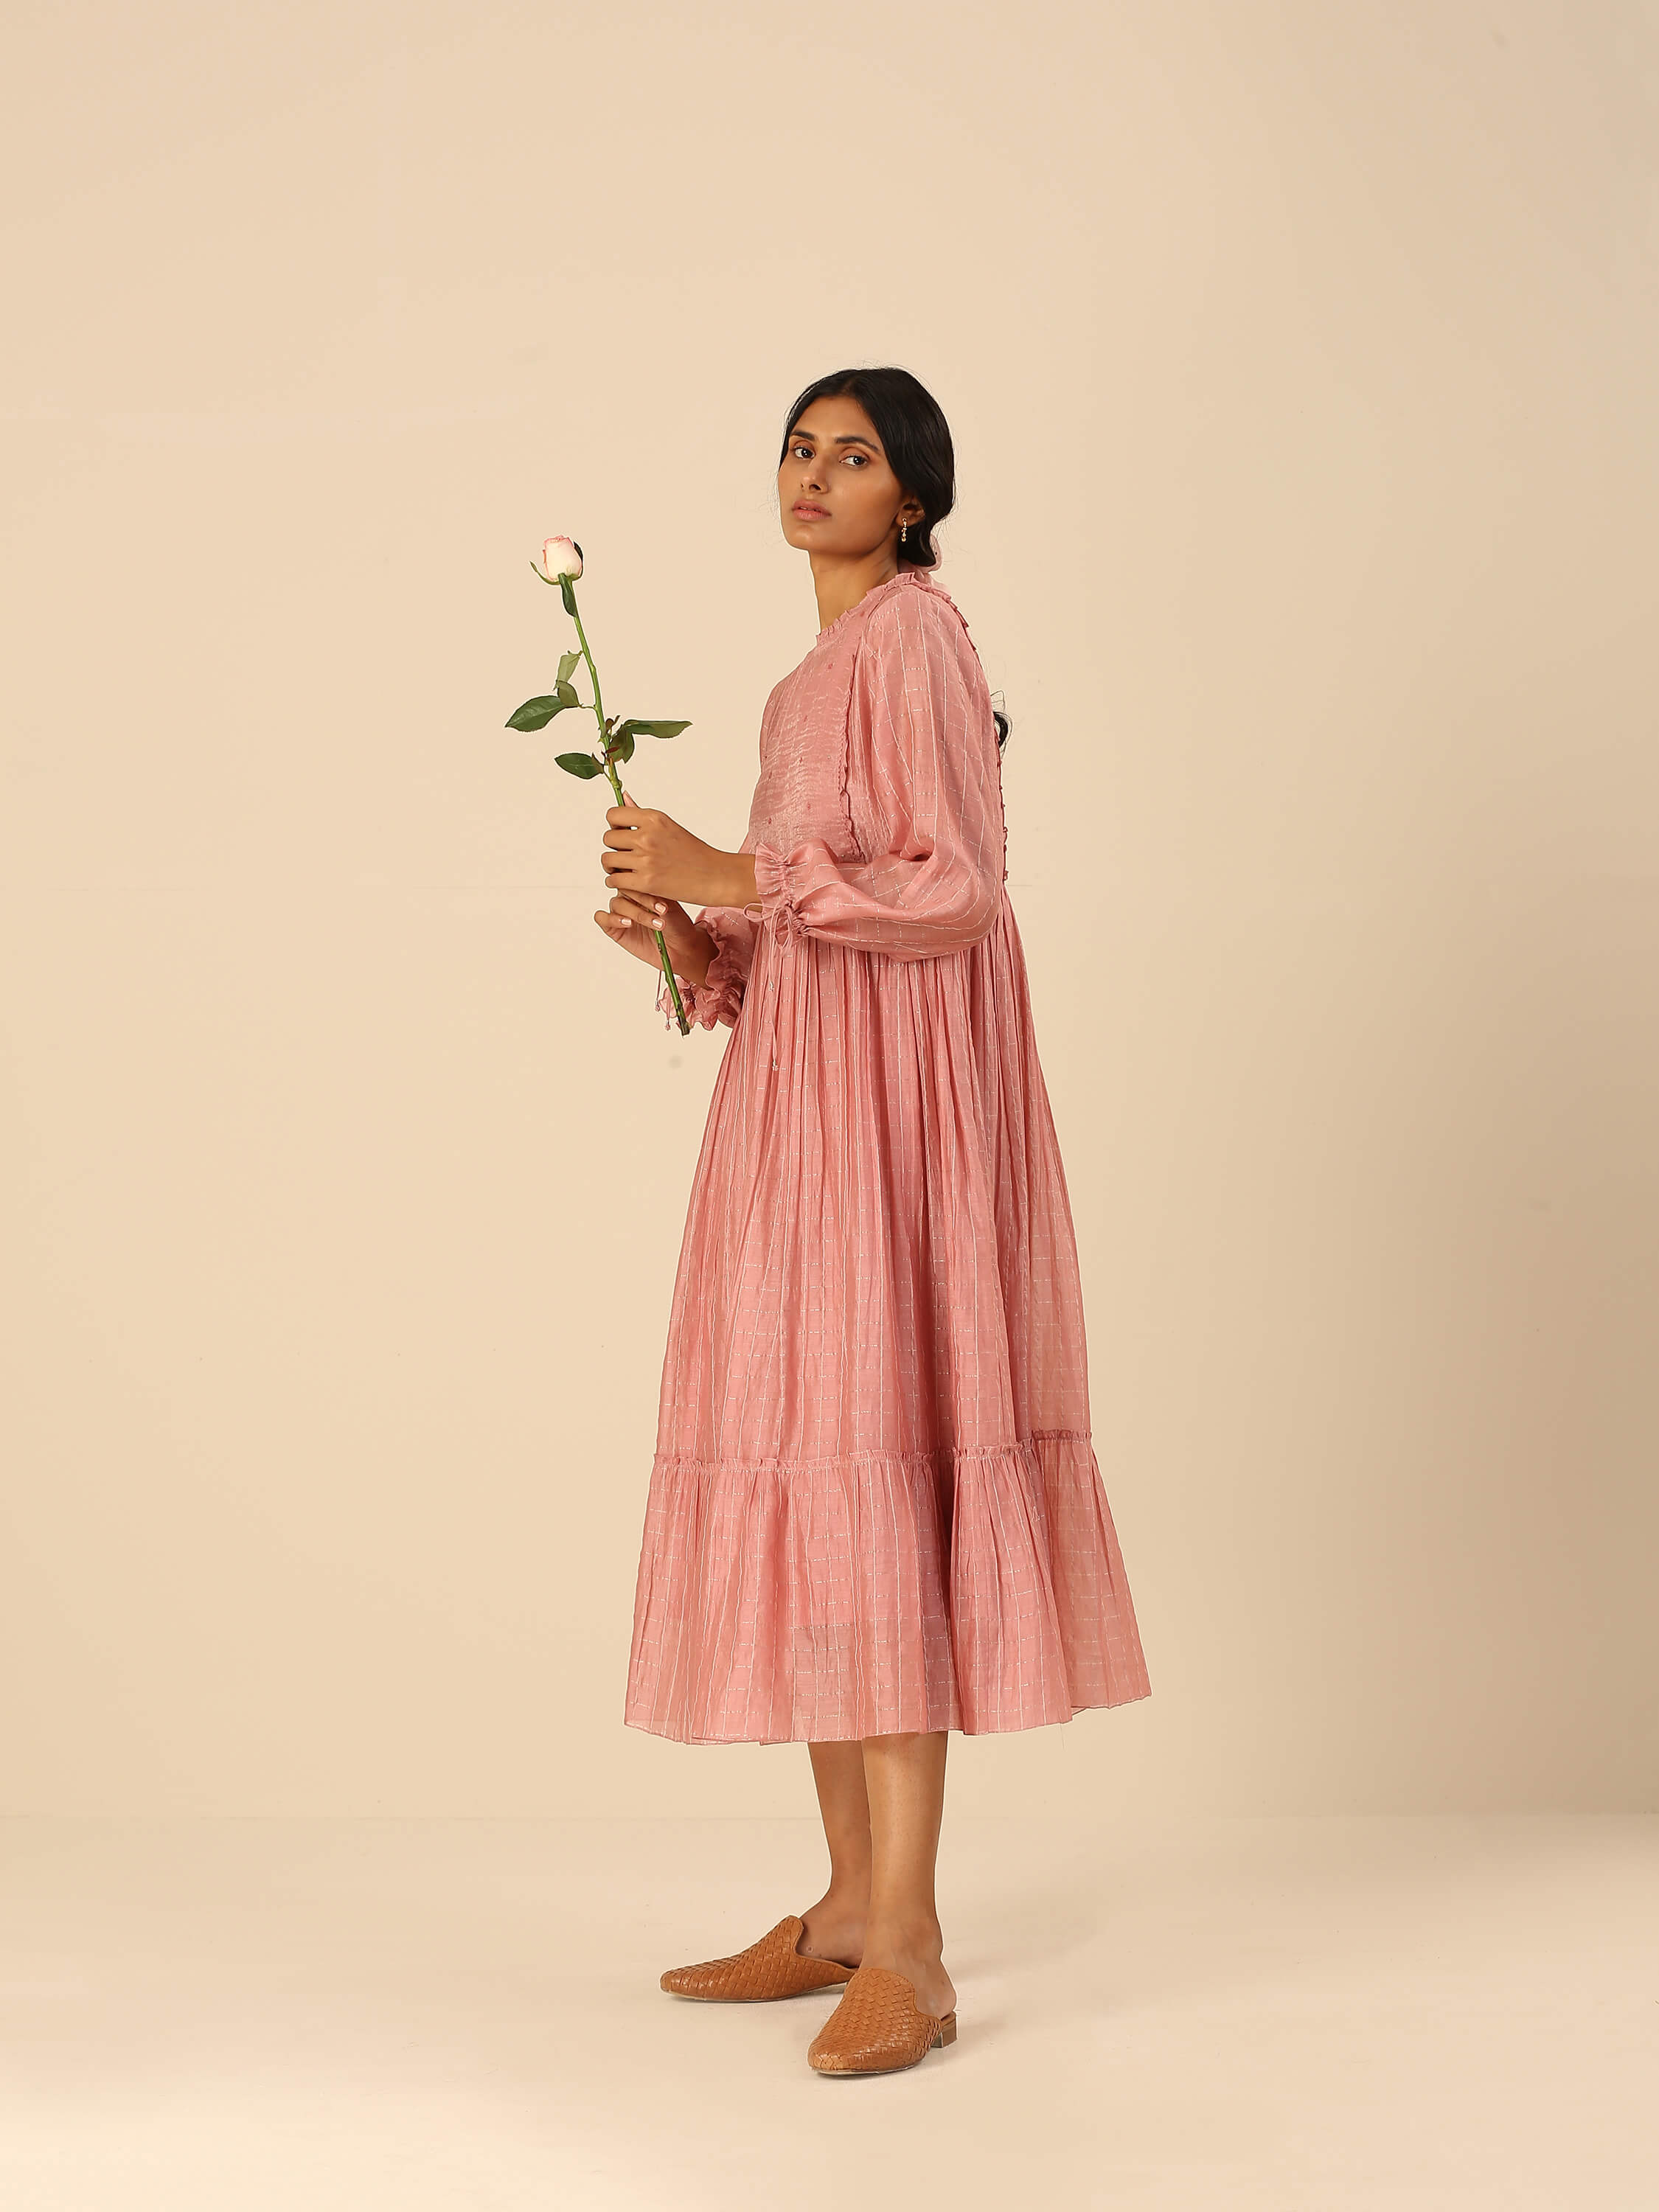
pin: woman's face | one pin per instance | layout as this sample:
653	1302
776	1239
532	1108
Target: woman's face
837	495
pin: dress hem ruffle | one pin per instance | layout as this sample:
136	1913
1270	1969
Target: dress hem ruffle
1060	1720
978	1590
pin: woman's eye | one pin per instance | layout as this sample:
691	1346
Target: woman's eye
803	448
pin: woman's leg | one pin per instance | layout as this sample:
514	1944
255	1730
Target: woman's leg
904	1779
834	1925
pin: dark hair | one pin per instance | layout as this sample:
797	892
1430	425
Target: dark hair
916	439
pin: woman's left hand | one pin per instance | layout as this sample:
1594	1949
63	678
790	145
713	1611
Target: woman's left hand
650	854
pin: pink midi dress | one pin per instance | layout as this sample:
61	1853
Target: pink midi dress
875	1505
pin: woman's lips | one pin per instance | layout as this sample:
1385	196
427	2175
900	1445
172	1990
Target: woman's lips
805	507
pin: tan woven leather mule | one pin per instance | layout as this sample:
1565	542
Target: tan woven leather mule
772	1967
877	2028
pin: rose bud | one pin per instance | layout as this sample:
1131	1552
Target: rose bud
561	556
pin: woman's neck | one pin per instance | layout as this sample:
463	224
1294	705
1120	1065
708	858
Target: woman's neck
844	584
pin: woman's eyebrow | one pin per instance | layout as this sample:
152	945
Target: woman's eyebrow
852	438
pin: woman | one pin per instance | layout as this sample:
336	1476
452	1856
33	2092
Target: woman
875	1513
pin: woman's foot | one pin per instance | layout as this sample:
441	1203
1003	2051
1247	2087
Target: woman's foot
915	1952
832	1928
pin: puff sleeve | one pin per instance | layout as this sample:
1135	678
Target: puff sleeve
921	740
719	997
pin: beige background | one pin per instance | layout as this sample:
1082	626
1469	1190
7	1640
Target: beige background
1300	360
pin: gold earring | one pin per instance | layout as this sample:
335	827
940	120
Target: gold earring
904	527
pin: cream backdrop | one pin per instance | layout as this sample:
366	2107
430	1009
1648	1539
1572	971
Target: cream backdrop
1301	360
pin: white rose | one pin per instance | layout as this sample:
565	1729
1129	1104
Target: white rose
561	556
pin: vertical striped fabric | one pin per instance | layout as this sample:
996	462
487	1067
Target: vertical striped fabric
874	1505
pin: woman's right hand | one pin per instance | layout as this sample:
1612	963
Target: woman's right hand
631	921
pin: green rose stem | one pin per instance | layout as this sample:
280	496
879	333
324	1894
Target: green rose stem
614	740
569	591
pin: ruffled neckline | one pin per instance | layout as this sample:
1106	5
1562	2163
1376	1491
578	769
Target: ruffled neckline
923	576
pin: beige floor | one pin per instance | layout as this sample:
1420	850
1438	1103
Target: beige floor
1294	2016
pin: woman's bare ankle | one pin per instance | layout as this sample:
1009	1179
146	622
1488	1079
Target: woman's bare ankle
913	1946
835	1928
916	1935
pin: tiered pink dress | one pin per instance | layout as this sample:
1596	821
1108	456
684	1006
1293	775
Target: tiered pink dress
874	1505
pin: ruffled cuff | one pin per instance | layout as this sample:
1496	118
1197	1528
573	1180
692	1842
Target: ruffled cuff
719	997
778	911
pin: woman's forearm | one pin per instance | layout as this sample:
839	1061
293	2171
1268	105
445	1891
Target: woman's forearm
692	965
742	868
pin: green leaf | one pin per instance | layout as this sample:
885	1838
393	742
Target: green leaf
568	593
566	694
654	729
535	713
581	764
567	662
622	746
